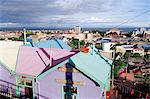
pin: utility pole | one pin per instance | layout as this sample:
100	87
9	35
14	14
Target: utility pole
24	35
112	76
79	44
127	65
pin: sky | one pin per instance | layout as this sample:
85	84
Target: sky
70	13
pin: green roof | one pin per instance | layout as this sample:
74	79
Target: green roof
95	66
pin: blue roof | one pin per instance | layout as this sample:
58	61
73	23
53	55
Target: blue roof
146	46
102	41
53	43
97	67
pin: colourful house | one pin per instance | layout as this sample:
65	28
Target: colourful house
8	58
6	76
59	73
63	74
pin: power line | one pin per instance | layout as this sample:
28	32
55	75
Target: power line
129	20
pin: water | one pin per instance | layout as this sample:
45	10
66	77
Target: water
123	29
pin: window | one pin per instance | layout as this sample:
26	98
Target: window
25	82
28	82
21	82
70	92
69	96
25	87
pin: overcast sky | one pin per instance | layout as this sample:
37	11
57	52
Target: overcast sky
69	13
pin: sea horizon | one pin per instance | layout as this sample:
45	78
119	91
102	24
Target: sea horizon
103	29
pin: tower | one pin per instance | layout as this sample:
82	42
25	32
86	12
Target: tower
77	29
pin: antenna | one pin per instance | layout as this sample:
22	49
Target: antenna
50	57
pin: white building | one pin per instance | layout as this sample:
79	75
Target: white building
114	30
147	34
106	49
90	36
81	36
77	29
107	46
124	48
142	30
138	50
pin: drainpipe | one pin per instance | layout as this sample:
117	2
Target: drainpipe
24	35
38	89
37	92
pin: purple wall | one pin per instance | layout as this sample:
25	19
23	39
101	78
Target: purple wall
5	76
51	89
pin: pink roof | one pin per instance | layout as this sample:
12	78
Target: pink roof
33	61
139	49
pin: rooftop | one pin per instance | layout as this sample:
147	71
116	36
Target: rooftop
8	53
39	59
94	65
53	43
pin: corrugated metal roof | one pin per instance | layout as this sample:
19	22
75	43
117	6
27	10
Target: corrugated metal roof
92	64
8	53
33	60
53	43
146	46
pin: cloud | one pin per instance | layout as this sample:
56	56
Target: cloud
96	19
67	4
46	12
8	24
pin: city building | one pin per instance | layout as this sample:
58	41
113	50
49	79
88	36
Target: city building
147	34
9	34
139	51
142	30
114	30
77	29
107	50
146	48
124	48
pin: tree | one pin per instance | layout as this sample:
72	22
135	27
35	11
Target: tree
126	55
140	35
136	55
100	32
118	65
14	38
129	34
147	79
74	43
2	38
147	56
82	43
98	46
